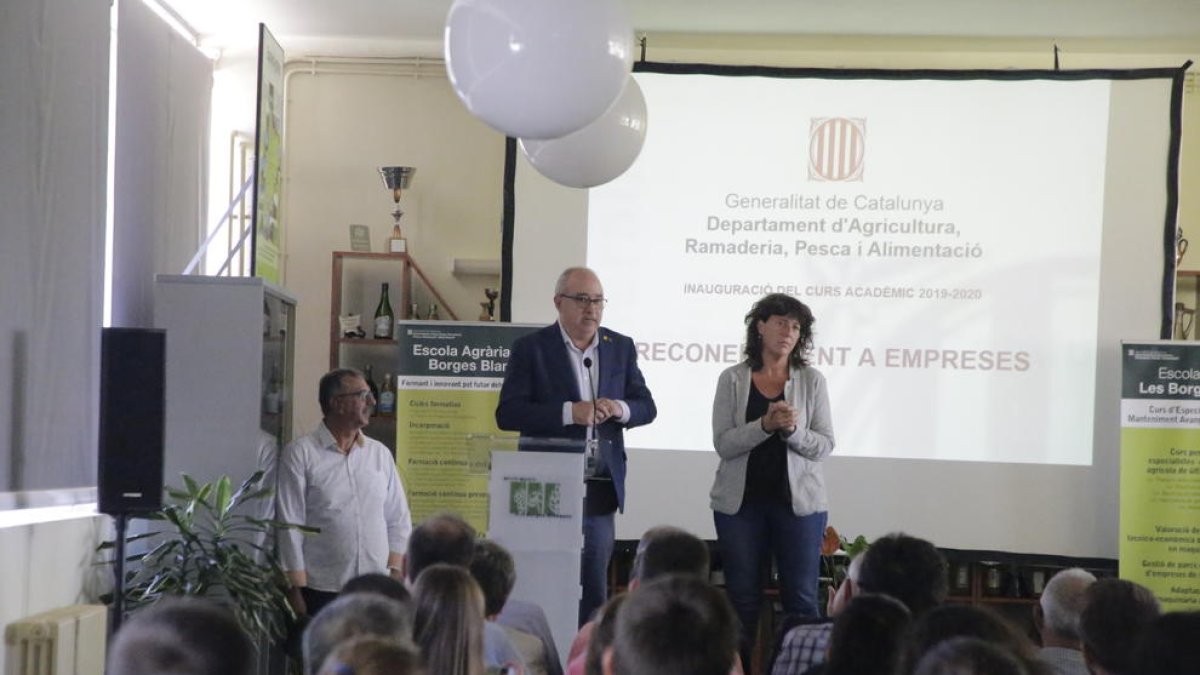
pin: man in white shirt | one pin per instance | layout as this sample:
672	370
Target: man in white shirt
344	483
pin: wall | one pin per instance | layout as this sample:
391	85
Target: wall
343	121
51	564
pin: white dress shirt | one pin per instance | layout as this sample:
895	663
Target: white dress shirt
356	500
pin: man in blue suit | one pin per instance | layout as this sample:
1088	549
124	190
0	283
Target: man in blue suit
571	378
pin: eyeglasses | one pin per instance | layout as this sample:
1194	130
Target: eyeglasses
362	395
583	300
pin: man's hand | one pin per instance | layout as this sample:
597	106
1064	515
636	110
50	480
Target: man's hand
296	600
605	409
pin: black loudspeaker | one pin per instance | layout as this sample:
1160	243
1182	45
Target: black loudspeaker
132	419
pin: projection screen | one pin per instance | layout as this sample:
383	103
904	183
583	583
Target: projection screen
974	246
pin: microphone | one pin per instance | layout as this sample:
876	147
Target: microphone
593	442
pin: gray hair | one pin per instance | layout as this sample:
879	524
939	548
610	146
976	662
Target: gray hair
1062	601
353	615
560	286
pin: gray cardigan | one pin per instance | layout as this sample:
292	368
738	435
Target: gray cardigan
734	437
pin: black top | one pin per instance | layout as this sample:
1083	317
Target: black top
766	471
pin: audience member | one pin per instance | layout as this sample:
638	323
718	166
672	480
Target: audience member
442	538
353	615
969	656
1056	617
909	569
531	618
801	638
380	584
1115	614
184	636
496	573
868	637
602	635
676	625
662	550
449	620
1170	646
374	656
447	539
952	621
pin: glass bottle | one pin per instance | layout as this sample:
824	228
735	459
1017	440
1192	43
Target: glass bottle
371	382
384	317
433	313
387	395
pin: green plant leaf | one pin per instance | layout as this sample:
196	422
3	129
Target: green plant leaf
224	494
247	485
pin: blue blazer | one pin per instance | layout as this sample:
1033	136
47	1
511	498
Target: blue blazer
539	379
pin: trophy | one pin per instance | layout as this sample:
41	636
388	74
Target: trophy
1181	247
397	178
488	306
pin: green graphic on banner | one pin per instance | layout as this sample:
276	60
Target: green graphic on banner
1160	471
447	385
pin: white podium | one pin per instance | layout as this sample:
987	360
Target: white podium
536	512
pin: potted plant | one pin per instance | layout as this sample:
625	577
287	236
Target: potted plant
215	544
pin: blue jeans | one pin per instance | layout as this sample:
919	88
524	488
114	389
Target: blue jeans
598	534
747	539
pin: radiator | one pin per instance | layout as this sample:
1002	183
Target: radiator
64	641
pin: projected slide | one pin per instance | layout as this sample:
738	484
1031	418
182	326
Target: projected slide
945	233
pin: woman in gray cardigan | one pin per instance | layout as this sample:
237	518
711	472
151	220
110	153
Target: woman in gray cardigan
772	429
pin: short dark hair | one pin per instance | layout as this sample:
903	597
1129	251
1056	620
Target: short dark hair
603	635
352	615
442	538
1115	614
183	636
1169	645
493	567
675	626
330	386
960	655
380	584
369	655
951	621
779	304
909	569
666	550
868	636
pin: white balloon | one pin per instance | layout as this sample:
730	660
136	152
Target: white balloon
599	152
538	68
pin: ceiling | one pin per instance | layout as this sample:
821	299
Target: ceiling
389	26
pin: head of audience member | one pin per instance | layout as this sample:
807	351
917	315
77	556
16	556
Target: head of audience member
665	550
579	299
868	636
443	538
353	615
909	569
950	621
778	312
380	584
1170	645
846	591
675	625
184	636
449	620
970	656
346	400
496	573
602	635
1056	615
1115	614
369	655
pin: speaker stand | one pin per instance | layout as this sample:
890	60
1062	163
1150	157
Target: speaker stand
118	604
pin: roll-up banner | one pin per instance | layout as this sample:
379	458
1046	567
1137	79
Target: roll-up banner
1160	470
